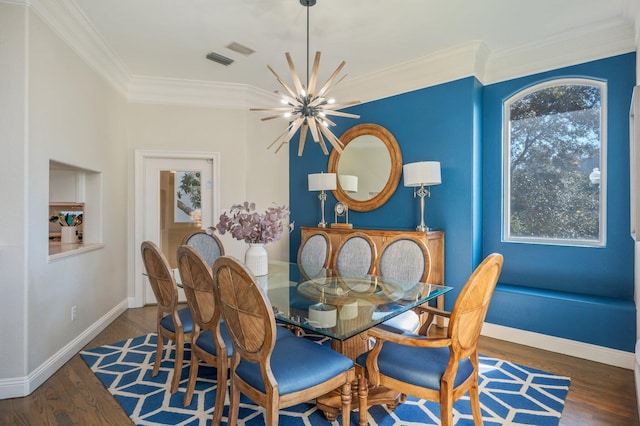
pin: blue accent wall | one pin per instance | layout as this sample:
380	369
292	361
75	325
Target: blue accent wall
567	292
580	293
437	123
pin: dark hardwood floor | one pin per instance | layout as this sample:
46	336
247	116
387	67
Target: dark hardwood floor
599	394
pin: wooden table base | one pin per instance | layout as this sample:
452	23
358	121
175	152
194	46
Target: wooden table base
331	405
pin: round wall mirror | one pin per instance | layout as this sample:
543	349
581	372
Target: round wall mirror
369	167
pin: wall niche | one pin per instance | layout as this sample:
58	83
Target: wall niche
74	209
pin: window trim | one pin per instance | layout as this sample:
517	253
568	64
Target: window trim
506	169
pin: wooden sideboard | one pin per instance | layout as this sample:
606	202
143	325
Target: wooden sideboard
433	239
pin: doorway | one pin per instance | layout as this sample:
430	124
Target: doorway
176	195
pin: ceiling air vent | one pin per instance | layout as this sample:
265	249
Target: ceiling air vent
239	48
216	57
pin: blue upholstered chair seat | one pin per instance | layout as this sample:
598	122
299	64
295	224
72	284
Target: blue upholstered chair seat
205	340
419	366
406	322
185	318
296	364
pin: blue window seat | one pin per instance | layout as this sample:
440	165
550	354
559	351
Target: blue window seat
590	319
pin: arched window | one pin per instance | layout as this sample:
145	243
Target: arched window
554	177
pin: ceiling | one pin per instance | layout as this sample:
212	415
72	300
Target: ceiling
170	38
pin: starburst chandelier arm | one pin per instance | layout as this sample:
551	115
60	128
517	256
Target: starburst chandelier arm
334	75
280	146
295	125
278	138
271	117
341	114
326	122
314	129
294	74
288	99
323	145
271	109
337	145
303	138
332	85
340	105
314	74
282	83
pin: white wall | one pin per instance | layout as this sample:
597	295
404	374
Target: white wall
13	184
53	106
268	173
248	171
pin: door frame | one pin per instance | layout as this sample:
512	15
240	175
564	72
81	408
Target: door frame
140	157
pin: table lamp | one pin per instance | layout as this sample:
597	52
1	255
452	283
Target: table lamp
322	182
421	174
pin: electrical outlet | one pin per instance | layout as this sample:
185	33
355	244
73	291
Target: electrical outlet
73	312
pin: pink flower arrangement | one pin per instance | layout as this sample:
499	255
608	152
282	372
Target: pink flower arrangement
244	223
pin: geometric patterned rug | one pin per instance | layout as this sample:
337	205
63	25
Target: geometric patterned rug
510	394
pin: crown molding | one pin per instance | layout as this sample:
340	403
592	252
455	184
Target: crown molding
156	90
450	64
581	45
71	25
473	58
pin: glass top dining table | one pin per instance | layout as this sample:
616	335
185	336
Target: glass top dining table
339	306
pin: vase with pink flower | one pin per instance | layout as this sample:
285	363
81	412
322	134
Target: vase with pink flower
244	223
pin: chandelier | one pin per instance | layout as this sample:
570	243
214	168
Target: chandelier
307	108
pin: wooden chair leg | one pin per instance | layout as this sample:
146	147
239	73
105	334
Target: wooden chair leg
221	390
474	397
272	411
345	398
363	393
234	406
177	366
193	376
159	349
446	408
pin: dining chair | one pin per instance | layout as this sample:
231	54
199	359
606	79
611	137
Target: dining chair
314	253
355	255
274	373
208	245
197	281
438	369
404	258
172	323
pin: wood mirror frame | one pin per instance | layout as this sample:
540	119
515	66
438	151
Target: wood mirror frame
394	176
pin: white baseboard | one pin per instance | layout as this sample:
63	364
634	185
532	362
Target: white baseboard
574	348
23	386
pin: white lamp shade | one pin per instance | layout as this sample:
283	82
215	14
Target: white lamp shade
422	173
349	183
322	181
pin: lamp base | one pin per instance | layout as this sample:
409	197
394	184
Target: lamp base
421	228
322	225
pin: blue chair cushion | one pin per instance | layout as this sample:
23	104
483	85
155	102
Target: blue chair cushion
185	318
205	341
406	322
422	367
296	364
